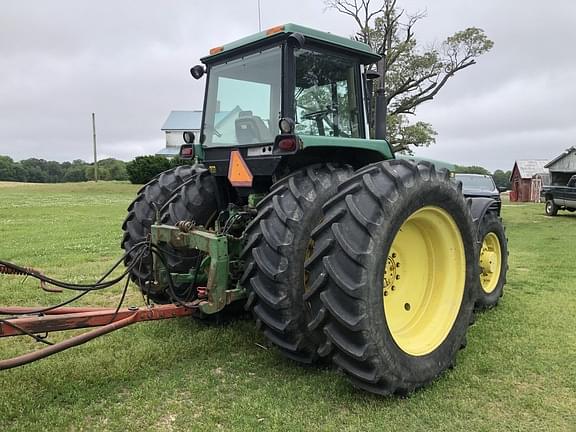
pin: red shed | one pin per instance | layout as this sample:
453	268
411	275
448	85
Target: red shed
521	178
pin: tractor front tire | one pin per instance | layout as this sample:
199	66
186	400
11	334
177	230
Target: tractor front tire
142	213
277	242
493	257
393	276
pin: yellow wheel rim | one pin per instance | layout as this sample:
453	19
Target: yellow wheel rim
424	281
490	262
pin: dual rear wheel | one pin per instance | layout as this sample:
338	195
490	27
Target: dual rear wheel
182	193
375	270
388	287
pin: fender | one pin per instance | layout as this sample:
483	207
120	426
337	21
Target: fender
479	207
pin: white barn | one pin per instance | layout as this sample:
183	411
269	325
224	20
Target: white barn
182	121
176	123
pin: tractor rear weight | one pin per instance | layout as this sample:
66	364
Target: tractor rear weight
223	250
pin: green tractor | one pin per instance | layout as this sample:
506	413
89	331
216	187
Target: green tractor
340	250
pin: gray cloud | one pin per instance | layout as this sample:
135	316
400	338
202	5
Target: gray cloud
128	62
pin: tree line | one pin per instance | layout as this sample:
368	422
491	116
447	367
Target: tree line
138	171
42	171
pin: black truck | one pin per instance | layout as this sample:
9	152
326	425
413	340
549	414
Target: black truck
560	197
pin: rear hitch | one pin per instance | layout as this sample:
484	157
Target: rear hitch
222	251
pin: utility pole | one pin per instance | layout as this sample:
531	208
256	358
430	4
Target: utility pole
94	141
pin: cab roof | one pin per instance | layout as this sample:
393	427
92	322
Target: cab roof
358	49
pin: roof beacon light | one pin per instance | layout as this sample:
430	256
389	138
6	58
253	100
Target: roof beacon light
274	30
216	50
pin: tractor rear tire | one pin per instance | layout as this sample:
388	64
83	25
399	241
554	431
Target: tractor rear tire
393	276
195	201
493	257
142	213
277	242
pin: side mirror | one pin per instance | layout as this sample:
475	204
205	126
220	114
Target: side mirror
197	71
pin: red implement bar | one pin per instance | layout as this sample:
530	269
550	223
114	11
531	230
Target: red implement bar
70	318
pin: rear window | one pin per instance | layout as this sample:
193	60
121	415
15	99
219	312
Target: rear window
476	182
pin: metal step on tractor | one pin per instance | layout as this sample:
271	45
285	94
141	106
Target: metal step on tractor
339	249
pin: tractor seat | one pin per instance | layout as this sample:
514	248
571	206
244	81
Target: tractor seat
251	129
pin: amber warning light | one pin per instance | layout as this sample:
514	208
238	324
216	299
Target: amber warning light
274	30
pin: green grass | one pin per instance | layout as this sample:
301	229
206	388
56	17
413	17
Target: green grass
517	372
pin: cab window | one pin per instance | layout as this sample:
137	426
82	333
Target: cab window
326	96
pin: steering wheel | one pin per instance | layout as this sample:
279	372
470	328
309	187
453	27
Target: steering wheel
315	115
320	116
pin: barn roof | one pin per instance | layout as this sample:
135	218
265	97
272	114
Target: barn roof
561	156
183	120
529	168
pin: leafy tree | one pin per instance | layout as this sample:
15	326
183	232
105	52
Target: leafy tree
116	169
103	172
502	179
144	168
6	168
471	170
54	171
35	174
409	74
19	173
75	173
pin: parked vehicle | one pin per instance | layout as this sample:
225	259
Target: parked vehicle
560	197
479	185
491	237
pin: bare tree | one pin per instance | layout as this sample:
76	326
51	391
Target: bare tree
409	74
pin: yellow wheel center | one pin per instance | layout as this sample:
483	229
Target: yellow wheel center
490	262
424	278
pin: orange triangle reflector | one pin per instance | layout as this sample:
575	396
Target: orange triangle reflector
238	172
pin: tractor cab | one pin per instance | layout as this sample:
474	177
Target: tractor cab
283	98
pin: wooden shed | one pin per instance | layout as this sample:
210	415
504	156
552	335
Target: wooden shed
563	167
521	178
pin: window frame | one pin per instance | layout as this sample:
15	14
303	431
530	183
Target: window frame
289	107
240	55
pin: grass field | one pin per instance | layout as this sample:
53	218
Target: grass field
517	373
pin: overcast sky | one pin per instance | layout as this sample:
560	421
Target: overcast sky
128	61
